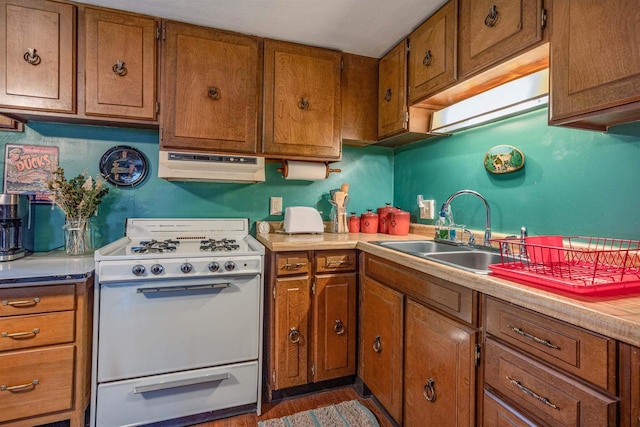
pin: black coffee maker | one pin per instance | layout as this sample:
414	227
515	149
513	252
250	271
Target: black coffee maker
16	228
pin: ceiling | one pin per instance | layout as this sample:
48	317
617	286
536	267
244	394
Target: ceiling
364	27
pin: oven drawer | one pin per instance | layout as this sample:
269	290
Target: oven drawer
18	332
155	327
162	397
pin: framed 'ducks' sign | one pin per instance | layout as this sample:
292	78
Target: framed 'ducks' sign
503	159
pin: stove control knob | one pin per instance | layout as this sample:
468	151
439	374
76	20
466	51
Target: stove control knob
229	265
186	268
138	270
214	266
157	269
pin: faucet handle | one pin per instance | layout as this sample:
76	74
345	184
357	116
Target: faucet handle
523	232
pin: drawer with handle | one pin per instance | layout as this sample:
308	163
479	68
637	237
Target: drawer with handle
19	332
292	263
576	350
35	382
36	299
544	393
335	261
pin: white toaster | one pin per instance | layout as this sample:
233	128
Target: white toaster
302	219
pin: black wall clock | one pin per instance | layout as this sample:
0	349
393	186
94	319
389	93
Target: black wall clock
123	166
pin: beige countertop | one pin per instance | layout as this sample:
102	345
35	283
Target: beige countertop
616	316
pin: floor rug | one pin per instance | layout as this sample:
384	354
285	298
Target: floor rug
344	414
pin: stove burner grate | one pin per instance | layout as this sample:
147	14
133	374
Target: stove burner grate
214	245
154	246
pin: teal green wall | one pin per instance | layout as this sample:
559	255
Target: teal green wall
368	171
574	182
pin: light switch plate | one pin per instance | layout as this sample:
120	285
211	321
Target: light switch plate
427	208
275	206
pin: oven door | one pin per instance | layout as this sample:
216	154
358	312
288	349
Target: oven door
156	326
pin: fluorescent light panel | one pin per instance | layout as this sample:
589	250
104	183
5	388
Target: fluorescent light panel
516	97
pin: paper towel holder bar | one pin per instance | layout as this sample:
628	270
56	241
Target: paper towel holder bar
285	169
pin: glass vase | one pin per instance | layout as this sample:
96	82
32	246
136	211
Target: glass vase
77	237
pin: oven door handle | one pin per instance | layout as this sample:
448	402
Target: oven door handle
181	383
183	288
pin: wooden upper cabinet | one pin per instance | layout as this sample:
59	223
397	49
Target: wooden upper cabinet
302	102
494	30
433	53
37	59
359	99
595	64
392	92
210	90
120	64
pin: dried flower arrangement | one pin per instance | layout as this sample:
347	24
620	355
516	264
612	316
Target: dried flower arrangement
78	197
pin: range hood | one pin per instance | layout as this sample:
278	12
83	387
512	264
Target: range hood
515	97
186	166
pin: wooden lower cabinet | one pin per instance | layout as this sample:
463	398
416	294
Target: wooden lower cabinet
310	329
45	353
629	374
498	413
439	369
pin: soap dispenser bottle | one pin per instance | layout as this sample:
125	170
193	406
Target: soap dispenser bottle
442	228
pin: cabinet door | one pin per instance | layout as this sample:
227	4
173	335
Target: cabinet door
497	413
334	326
302	101
629	385
494	30
392	92
37	59
210	90
595	62
433	56
120	64
359	99
440	372
381	320
291	313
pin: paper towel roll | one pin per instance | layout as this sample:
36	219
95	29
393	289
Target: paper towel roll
308	171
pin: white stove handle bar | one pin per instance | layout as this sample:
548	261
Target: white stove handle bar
164	385
183	288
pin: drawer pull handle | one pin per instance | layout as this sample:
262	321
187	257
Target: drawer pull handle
186	288
338	327
119	69
5	387
294	265
429	390
181	383
31	56
294	335
336	262
532	393
491	19
377	344
21	303
533	337
20	334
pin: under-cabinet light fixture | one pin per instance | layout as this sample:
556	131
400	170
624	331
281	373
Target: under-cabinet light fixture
519	96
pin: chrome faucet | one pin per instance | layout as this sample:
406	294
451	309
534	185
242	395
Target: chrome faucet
487	230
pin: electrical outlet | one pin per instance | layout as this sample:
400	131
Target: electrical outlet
427	209
275	206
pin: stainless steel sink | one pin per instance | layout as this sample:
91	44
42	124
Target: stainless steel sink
421	246
476	261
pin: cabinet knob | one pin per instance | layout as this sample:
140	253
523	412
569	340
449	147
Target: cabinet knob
303	104
492	17
377	344
387	95
213	93
32	57
429	390
426	61
338	327
294	335
119	69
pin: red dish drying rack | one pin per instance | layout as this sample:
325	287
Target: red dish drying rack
574	264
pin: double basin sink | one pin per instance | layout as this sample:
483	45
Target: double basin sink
473	259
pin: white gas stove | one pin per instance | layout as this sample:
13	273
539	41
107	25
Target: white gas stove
177	322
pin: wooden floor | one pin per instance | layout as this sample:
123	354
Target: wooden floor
297	404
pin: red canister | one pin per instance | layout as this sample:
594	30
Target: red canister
369	222
399	222
383	217
354	223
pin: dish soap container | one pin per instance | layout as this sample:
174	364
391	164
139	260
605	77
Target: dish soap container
442	228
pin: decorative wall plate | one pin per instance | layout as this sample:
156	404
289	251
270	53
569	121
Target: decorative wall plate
503	159
123	166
